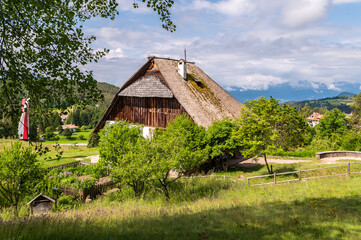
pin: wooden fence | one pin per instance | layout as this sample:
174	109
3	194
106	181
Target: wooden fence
92	192
298	173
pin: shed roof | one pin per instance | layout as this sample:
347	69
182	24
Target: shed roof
41	195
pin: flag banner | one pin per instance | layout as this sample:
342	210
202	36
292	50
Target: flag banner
23	123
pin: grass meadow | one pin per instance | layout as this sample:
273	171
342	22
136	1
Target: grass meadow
203	208
208	209
70	153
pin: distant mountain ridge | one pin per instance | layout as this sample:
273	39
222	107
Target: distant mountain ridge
346	94
342	102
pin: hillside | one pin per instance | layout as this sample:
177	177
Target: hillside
346	94
341	102
108	91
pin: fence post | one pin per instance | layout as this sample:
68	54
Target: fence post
224	177
348	169
248	181
274	177
299	175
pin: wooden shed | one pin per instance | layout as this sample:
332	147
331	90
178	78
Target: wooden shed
163	89
41	204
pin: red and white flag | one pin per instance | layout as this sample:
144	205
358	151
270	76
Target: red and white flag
23	123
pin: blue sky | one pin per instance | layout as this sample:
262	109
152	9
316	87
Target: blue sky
242	44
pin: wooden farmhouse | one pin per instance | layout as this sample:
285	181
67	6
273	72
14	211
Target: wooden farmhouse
163	89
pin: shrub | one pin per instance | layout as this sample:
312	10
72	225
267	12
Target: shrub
66	202
49	133
60	129
81	137
351	141
93	140
67	133
83	128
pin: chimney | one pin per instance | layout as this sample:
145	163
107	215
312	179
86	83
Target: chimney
182	68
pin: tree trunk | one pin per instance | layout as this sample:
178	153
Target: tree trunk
225	164
165	189
15	206
265	159
138	187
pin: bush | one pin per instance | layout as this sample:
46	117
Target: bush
66	202
301	153
322	144
49	133
67	133
60	130
81	137
93	140
351	141
83	128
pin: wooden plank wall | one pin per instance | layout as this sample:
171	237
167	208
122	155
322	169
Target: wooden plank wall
153	112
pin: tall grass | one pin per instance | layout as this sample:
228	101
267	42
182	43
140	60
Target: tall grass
209	209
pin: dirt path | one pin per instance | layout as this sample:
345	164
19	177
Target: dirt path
335	160
260	161
254	162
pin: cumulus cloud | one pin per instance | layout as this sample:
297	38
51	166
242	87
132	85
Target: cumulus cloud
258	81
226	7
115	53
345	1
332	86
298	13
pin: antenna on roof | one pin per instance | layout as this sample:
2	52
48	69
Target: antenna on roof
185	55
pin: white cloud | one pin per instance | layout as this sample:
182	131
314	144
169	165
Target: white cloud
126	5
345	1
115	53
298	13
255	82
332	86
226	7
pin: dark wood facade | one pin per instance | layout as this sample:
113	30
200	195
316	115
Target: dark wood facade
149	111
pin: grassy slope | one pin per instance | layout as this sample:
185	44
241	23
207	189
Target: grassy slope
70	153
74	138
329	103
324	209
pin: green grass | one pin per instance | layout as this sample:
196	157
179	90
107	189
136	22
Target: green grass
70	153
74	138
205	209
244	172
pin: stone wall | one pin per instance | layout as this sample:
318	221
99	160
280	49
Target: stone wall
339	154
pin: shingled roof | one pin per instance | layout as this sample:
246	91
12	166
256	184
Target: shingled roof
202	98
147	86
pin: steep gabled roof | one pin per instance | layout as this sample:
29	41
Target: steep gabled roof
202	98
206	101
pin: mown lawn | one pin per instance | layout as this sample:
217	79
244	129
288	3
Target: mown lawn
257	170
75	138
70	152
209	209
